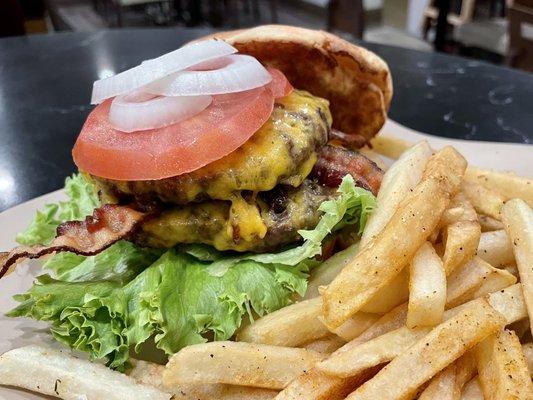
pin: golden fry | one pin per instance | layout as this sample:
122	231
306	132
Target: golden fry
462	240
465	280
325	345
401	178
238	363
384	258
443	386
510	186
290	326
489	224
502	368
315	385
349	362
152	374
427	288
389	146
485	201
517	217
495	248
443	345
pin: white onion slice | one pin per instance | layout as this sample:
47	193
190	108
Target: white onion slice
229	74
157	68
140	111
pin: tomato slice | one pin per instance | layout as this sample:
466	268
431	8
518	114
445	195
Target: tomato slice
153	154
280	85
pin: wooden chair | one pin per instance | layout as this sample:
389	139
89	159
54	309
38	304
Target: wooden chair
346	16
521	34
465	14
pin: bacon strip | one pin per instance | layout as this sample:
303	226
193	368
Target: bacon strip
350	141
108	224
336	162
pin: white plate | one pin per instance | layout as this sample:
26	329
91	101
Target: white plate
20	332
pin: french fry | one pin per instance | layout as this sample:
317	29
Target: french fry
315	385
443	386
512	269
466	369
350	362
397	182
427	288
56	373
431	354
485	201
521	328
385	257
472	391
502	368
496	280
495	248
147	373
323	274
397	317
355	325
387	339
517	217
489	224
460	209
504	298
389	146
401	178
389	296
465	280
527	349
449	383
509	302
238	363
393	320
507	185
326	345
289	326
462	240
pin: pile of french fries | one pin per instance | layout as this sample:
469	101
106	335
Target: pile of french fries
434	302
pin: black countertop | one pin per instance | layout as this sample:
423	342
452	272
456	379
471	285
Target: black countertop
46	81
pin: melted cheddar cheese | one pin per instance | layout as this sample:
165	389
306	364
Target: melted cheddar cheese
283	151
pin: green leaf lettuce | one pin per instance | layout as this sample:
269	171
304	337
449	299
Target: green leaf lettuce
82	201
118	300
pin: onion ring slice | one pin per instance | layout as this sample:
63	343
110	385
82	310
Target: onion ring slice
141	111
230	74
157	68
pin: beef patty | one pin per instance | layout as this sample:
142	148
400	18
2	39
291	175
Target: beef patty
264	221
283	151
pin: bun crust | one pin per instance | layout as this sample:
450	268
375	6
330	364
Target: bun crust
356	81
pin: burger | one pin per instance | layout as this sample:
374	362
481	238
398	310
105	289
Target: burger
212	181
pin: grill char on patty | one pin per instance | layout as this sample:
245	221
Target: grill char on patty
259	196
283	151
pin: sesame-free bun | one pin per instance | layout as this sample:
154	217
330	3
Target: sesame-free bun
355	81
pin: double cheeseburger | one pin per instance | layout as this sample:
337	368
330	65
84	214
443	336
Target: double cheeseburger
233	142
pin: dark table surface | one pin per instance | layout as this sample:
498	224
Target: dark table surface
46	81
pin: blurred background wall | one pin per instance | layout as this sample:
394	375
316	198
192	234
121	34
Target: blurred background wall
498	31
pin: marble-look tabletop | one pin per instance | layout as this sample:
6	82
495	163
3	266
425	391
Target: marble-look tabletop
46	81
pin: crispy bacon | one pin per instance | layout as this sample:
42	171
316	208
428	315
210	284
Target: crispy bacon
350	141
107	225
336	162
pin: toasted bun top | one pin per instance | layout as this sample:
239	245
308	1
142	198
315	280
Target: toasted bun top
355	81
